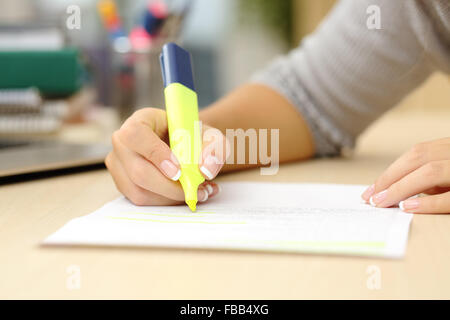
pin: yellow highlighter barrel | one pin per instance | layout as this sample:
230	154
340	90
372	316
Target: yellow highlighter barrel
185	137
182	118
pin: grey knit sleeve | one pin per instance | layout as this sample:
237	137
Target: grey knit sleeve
345	75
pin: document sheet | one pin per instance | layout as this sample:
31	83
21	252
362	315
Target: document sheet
281	217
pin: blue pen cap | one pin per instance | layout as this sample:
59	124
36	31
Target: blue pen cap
176	66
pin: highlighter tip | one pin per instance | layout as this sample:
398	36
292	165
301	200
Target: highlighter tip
192	205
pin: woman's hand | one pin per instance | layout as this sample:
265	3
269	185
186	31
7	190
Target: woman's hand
144	168
424	169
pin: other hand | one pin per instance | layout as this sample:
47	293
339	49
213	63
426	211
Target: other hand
424	169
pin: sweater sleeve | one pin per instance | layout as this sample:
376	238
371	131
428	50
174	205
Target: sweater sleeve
345	75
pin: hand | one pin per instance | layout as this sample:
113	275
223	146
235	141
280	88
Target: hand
144	168
424	169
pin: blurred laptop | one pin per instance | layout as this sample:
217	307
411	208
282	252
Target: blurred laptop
22	157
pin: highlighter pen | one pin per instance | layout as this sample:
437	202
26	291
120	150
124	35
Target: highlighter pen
182	117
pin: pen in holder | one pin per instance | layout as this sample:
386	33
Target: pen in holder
135	82
135	57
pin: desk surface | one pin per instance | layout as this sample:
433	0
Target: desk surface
30	211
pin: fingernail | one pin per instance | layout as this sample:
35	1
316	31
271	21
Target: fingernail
210	167
368	193
202	195
209	188
378	198
409	204
174	159
171	170
218	189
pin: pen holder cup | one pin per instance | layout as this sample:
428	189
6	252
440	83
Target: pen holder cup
137	81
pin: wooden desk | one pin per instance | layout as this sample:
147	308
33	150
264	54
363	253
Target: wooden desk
30	211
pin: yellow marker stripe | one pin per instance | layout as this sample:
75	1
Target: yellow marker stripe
373	244
184	215
181	222
168	214
331	243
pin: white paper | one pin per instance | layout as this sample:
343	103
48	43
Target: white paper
288	217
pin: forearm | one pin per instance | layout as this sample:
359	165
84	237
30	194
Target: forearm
255	106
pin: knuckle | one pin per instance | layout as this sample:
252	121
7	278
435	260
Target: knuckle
138	198
115	138
418	152
139	114
384	181
153	151
128	132
381	182
108	161
434	169
395	188
144	114
137	173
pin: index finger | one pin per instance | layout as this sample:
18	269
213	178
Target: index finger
418	156
142	133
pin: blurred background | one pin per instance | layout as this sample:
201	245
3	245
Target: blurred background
69	59
73	70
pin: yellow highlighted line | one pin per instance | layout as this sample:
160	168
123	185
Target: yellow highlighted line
178	221
197	214
373	244
333	244
168	214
